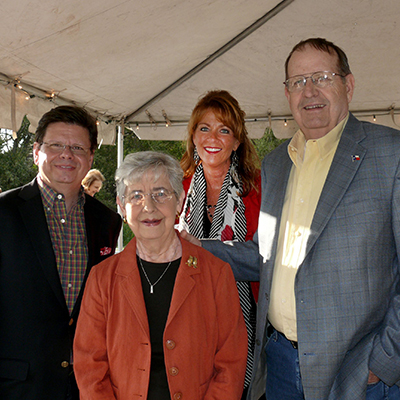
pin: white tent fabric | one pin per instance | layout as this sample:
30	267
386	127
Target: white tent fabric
128	59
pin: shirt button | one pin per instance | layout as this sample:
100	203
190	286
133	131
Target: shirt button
65	364
170	344
62	220
69	285
178	396
70	252
59	196
174	371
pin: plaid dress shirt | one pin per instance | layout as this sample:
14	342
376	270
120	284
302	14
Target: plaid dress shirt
68	236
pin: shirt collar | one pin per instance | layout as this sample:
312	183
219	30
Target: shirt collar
50	196
326	144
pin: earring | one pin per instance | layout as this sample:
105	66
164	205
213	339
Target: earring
235	167
196	156
124	219
235	160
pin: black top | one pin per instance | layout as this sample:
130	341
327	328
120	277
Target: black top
157	307
206	225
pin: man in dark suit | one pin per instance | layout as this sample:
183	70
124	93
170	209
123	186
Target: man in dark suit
327	246
51	234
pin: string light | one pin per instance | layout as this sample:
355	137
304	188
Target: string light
27	90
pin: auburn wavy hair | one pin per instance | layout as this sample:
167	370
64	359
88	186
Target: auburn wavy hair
227	110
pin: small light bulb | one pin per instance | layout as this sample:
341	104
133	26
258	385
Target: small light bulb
285	123
374	118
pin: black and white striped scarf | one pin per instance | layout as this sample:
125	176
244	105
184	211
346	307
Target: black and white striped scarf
229	220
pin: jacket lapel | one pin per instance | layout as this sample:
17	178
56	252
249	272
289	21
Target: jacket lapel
345	164
184	282
34	218
131	285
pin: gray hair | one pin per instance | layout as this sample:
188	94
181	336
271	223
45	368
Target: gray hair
136	165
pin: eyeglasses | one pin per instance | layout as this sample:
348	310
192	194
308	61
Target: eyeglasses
320	79
57	147
159	196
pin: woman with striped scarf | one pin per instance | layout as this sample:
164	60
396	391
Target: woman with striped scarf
223	187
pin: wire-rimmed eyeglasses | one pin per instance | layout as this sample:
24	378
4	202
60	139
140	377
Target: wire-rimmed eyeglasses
158	196
57	147
320	79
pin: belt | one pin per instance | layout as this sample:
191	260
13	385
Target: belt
271	330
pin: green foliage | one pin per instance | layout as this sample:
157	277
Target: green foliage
16	160
105	160
267	143
132	144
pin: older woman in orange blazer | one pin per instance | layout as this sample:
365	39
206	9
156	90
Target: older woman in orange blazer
160	320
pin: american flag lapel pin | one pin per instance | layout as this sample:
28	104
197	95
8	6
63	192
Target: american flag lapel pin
355	157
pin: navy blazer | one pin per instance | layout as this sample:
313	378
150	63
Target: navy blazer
36	328
348	286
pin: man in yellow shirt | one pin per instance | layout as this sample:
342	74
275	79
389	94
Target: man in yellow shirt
326	250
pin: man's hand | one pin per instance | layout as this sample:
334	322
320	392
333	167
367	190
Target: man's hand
190	238
372	378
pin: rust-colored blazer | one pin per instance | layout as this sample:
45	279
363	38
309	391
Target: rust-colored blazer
205	339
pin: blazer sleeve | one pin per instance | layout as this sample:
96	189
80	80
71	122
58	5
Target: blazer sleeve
385	356
243	257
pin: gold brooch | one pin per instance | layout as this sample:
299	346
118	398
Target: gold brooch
192	262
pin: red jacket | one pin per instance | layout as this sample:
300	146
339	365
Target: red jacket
205	339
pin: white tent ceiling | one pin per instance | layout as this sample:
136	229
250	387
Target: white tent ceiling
121	58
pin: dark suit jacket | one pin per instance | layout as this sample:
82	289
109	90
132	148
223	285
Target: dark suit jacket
36	329
348	286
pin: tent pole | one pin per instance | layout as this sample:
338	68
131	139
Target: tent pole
120	157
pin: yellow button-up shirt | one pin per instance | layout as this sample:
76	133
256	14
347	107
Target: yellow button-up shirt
311	162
